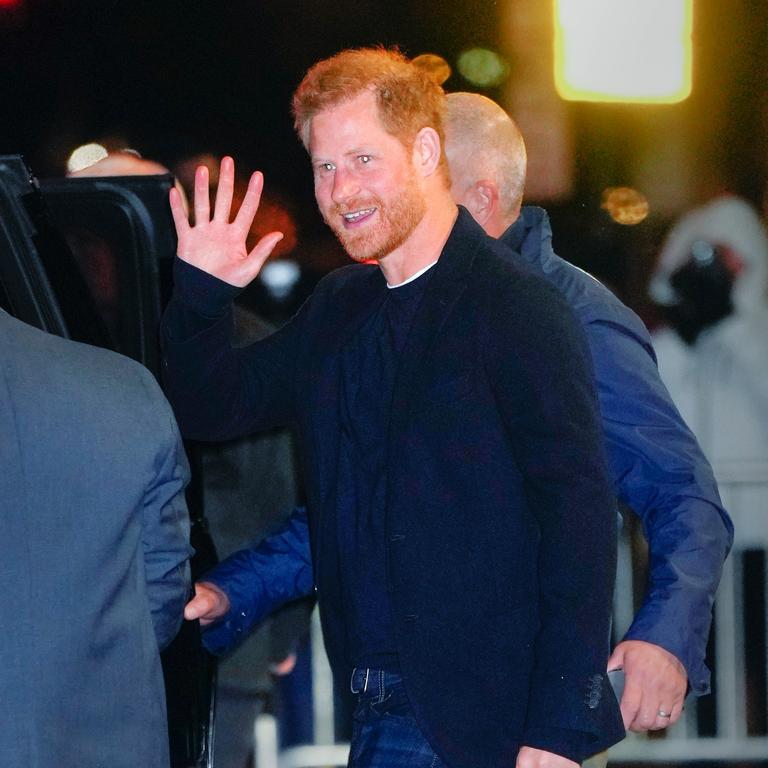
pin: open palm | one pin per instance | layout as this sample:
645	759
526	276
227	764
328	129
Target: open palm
216	245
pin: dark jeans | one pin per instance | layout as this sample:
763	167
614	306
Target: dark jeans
384	730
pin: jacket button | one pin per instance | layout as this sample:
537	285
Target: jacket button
396	537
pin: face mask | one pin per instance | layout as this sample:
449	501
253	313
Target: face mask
702	287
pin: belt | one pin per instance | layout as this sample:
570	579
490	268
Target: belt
372	682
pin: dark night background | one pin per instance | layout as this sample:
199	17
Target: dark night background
177	78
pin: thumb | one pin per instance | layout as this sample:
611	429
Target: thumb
616	660
261	252
198	606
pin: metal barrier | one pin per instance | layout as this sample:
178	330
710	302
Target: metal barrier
731	725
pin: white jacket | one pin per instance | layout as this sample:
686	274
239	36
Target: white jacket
720	383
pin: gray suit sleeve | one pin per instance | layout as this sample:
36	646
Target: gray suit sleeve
165	526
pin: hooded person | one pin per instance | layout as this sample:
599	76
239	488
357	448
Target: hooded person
711	280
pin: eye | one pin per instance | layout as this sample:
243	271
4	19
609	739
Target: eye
365	159
324	167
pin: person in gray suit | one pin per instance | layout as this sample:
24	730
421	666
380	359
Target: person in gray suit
94	554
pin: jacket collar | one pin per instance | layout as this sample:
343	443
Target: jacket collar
531	236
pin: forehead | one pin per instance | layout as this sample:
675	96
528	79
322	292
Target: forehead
351	125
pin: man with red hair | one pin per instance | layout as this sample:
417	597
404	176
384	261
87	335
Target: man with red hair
462	526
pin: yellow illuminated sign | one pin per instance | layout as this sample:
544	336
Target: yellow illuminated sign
623	50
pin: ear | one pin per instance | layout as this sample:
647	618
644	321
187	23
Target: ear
482	201
427	150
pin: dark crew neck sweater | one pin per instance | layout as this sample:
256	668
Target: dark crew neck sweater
369	367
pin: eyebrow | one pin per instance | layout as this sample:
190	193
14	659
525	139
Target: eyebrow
348	153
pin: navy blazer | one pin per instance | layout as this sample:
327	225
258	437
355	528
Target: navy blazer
93	554
655	462
500	520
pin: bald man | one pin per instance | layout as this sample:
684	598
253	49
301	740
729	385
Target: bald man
657	467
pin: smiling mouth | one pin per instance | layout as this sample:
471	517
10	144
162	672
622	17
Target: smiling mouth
356	216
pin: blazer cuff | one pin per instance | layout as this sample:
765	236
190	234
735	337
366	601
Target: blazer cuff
573	715
201	292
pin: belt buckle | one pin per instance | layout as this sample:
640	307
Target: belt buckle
365	683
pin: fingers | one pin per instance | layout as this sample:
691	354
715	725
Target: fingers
647	717
654	711
616	660
225	190
677	711
263	249
250	203
198	607
667	714
208	604
202	196
631	700
252	263
215	245
655	681
661	720
178	212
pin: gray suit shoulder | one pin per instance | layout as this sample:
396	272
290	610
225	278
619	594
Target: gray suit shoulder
108	390
51	356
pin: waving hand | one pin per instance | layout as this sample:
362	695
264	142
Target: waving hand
216	245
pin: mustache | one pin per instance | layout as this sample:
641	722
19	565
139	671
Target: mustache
357	204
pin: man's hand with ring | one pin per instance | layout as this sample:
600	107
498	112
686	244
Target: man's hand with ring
654	688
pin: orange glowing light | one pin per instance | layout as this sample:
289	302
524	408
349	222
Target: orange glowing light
625	205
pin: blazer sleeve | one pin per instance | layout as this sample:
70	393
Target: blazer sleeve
660	472
259	580
165	525
218	391
544	386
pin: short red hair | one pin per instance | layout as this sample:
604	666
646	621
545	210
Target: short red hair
407	98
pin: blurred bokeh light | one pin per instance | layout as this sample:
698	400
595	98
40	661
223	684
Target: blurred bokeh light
623	50
625	205
85	156
482	67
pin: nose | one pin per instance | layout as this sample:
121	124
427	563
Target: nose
345	185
